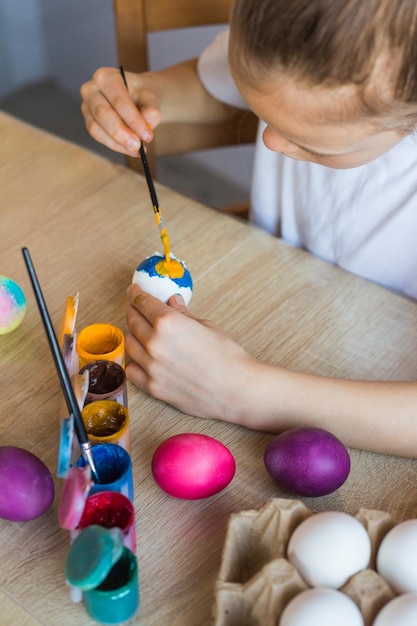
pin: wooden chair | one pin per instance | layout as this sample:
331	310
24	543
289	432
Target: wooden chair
134	20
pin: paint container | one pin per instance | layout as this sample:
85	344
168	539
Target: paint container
107	572
107	421
110	509
107	381
114	468
100	342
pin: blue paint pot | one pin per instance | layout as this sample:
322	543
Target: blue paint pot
114	468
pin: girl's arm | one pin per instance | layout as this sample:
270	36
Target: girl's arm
193	365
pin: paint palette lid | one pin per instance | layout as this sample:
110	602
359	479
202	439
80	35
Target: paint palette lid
68	318
75	492
66	340
66	431
92	555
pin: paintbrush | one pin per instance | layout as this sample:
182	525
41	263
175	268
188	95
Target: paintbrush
152	192
61	368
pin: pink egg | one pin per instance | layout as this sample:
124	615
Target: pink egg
192	466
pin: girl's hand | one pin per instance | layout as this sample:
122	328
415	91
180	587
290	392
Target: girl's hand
187	362
118	118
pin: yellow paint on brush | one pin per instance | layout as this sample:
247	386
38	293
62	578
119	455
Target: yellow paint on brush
165	243
164	234
167	266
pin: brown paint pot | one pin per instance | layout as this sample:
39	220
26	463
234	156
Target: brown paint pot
107	381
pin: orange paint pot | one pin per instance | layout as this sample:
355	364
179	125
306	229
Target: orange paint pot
107	421
100	342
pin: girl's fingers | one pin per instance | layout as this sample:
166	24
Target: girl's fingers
113	118
148	306
105	125
140	112
98	133
138	325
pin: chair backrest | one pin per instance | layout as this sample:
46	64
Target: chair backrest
135	19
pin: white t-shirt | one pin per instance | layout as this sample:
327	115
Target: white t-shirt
363	219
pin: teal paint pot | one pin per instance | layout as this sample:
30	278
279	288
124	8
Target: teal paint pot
107	573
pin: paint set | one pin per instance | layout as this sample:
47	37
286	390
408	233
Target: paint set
101	567
96	503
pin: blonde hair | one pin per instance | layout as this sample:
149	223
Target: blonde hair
371	44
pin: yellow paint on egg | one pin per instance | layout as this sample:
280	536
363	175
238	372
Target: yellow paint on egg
171	268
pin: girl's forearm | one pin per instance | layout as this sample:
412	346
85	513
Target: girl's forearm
184	98
372	415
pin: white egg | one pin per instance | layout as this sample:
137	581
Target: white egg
321	607
397	557
163	286
401	611
328	548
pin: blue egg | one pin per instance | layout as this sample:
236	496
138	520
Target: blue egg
12	305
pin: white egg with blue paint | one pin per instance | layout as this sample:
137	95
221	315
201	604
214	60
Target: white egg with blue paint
163	279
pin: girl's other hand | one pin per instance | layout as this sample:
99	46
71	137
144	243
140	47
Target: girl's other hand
187	362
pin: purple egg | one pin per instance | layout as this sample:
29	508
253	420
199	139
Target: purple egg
26	485
307	461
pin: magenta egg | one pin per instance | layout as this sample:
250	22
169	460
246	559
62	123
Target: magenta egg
26	485
307	461
192	466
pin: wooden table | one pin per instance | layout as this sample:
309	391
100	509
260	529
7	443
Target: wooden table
87	222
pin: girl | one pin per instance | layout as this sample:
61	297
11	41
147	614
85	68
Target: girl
334	83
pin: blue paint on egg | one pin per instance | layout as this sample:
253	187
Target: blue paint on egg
149	267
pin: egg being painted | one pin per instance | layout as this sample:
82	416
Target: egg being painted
12	305
163	279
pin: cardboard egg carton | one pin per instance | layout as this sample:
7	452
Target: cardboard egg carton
256	581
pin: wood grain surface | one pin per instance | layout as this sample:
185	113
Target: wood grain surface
87	223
